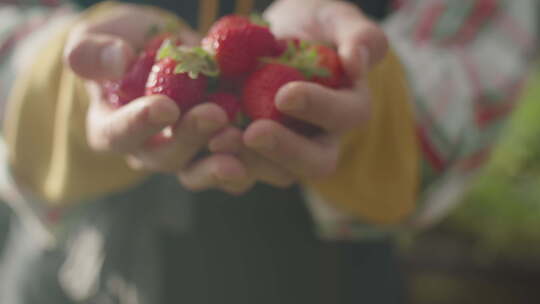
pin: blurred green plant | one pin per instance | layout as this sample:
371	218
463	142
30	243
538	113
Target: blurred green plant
501	213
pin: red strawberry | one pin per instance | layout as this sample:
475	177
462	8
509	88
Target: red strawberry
260	89
180	87
132	85
227	22
238	45
228	102
181	74
329	59
319	63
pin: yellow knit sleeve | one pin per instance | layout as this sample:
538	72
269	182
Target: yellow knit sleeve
378	173
45	131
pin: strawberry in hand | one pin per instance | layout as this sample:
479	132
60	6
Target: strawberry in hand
272	153
300	62
238	44
329	59
131	86
181	74
260	91
319	63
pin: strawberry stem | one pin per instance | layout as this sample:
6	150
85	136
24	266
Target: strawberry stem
193	61
303	57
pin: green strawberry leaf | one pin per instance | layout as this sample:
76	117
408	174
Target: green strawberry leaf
303	57
194	60
167	50
316	72
193	75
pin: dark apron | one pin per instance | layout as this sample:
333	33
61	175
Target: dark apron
261	248
168	246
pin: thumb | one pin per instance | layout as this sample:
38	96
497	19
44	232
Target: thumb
99	56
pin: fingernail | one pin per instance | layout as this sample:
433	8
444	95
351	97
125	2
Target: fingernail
162	114
267	142
293	105
206	125
113	59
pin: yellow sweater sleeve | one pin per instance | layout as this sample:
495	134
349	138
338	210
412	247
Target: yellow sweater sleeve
378	172
45	131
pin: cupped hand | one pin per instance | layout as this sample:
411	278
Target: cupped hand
151	131
271	153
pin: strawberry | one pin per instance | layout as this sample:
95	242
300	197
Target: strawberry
283	45
319	63
300	61
259	92
237	45
132	84
181	74
227	22
329	59
181	88
228	102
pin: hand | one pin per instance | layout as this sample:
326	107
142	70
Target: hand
273	154
249	166
357	38
102	49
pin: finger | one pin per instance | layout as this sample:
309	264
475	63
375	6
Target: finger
128	128
301	24
360	41
100	57
189	137
259	168
227	141
216	171
304	157
103	49
332	110
266	171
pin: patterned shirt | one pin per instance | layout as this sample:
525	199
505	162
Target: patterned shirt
467	62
